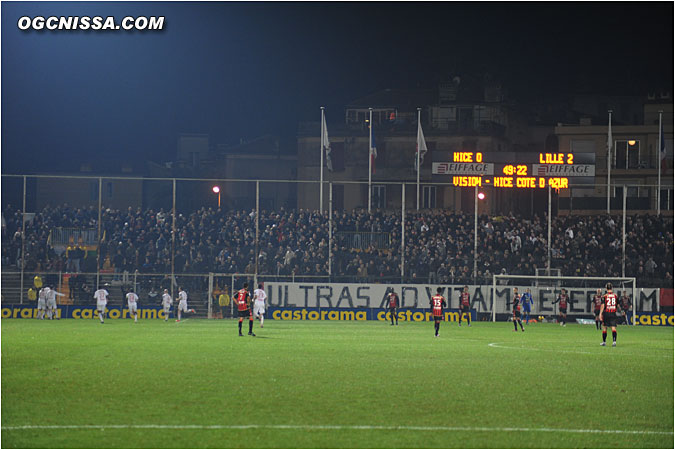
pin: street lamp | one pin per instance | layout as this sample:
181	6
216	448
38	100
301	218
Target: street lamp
216	190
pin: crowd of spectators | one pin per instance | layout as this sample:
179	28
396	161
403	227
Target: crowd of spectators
439	245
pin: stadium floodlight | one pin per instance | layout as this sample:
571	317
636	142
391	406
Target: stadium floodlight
216	190
548	284
481	196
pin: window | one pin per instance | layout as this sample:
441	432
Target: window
627	154
666	199
428	196
379	197
93	191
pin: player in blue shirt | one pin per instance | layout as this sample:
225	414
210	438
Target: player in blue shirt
526	300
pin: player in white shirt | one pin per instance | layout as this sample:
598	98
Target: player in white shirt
259	298
182	303
50	296
42	302
132	300
101	297
167	301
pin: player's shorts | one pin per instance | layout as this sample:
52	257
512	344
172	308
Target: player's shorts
41	304
166	308
516	314
182	306
465	308
596	312
563	310
259	308
51	304
100	306
245	313
133	307
609	319
438	316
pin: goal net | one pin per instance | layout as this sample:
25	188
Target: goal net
545	290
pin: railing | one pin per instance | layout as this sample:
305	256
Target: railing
361	240
66	236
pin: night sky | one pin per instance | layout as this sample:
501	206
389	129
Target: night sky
241	70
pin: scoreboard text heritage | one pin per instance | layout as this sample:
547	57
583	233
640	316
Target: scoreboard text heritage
513	170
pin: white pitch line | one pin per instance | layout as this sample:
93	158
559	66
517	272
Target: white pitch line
332	427
496	345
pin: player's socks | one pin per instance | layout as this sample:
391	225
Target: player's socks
515	325
250	326
520	322
262	320
100	316
240	322
604	336
613	336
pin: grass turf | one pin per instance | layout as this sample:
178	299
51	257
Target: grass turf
199	372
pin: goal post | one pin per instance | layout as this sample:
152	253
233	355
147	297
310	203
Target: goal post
543	284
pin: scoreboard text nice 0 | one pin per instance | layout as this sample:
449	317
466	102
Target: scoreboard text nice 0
513	170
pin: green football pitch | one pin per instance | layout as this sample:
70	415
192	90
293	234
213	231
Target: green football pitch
196	384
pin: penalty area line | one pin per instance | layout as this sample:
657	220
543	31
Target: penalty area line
332	427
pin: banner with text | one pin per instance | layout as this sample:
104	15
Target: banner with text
403	315
81	312
356	295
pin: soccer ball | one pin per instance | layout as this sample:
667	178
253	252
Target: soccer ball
541	318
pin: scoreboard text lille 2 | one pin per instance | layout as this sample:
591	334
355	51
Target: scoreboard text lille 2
514	170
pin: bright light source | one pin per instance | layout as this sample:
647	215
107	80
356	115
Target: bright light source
631	143
481	196
216	189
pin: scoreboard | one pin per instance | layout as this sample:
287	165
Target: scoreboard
517	170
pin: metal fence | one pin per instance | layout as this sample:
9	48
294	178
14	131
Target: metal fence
274	229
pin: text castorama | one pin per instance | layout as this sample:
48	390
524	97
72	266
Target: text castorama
406	315
80	312
661	319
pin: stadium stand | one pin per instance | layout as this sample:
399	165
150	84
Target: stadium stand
439	244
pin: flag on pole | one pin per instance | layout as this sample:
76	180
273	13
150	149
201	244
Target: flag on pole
373	148
662	156
325	144
421	145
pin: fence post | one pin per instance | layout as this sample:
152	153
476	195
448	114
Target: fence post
402	232
257	232
210	310
548	252
330	229
23	239
98	239
623	245
173	235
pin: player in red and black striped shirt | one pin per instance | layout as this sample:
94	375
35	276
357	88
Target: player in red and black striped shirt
597	303
243	300
392	299
563	298
465	306
608	314
624	301
516	310
437	303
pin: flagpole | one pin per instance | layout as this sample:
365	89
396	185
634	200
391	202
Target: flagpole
658	162
321	176
419	113
609	156
370	156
